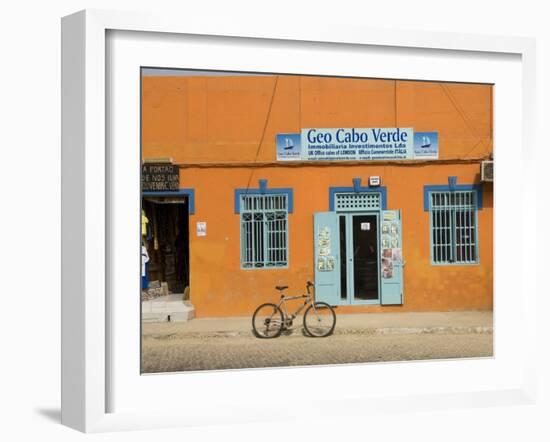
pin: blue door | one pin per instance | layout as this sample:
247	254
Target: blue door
391	258
326	257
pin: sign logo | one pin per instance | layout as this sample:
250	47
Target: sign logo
426	145
289	147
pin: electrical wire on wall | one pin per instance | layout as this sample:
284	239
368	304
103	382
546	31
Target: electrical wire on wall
263	133
385	169
464	117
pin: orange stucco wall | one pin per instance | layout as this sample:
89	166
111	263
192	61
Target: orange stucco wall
216	127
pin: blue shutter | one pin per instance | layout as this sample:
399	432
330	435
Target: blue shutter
391	260
326	242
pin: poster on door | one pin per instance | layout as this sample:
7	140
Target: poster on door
396	255
392	254
325	260
387	268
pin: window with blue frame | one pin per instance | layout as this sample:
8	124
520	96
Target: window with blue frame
264	230
453	224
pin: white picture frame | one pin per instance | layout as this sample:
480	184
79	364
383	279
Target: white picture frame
88	319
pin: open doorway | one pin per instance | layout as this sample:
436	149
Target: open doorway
359	263
165	234
365	257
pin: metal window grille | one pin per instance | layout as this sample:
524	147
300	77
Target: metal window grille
264	231
357	201
453	219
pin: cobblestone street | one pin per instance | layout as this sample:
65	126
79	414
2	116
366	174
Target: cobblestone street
167	352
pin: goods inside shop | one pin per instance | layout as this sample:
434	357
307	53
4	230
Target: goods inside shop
165	246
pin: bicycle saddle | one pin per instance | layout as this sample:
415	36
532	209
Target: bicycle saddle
281	287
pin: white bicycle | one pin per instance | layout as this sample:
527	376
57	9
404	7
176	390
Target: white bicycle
269	320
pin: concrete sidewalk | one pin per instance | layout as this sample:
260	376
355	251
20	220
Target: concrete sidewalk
365	323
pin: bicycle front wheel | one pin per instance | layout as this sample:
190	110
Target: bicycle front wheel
267	321
319	320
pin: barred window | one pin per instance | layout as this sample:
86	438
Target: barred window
357	201
264	231
453	221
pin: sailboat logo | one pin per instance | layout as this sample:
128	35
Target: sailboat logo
289	147
289	144
426	145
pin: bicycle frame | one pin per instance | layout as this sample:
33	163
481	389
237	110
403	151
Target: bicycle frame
282	305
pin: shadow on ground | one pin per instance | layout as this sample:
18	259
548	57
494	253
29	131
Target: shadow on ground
51	414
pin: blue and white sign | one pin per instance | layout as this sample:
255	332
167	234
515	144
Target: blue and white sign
352	144
426	145
357	144
289	147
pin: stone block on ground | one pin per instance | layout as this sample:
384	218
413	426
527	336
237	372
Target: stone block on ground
154	317
182	316
166	308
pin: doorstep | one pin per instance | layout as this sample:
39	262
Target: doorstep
167	308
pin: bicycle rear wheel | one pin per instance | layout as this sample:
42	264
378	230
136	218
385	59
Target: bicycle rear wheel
267	321
319	320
